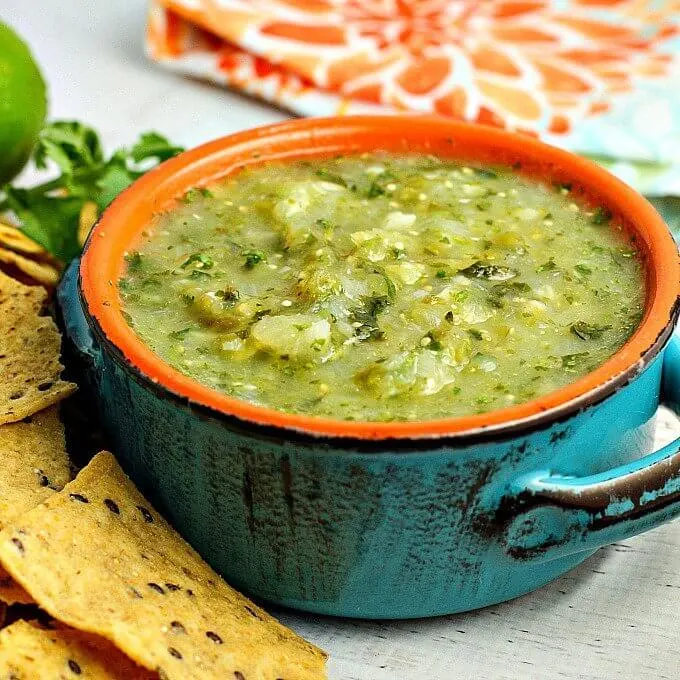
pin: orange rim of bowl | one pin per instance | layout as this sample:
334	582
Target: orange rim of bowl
119	229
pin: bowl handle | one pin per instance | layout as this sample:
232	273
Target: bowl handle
548	516
75	323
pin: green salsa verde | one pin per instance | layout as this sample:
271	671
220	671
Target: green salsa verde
383	287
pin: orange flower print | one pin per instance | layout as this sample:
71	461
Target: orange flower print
541	66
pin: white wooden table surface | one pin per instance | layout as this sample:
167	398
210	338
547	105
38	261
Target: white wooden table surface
614	618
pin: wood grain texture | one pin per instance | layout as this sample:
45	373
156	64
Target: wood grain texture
617	617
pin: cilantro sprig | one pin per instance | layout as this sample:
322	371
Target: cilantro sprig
49	213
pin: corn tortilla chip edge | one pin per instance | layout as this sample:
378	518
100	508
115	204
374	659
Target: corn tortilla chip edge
45	429
29	302
28	270
81	653
11	592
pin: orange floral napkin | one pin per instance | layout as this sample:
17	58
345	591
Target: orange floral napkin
599	77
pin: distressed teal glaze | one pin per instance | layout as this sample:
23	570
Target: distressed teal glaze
388	532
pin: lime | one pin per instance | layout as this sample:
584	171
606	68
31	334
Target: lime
23	104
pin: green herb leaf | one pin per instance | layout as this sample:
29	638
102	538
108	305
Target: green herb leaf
510	287
51	222
375	190
253	257
332	177
202	261
367	317
583	269
151	145
378	187
196	192
548	266
73	146
573	360
490	272
601	216
588	331
110	180
134	260
180	334
433	345
49	212
324	224
500	290
199	274
391	288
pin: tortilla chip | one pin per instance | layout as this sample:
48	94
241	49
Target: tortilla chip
29	353
97	557
26	270
34	465
11	592
30	652
25	260
17	299
34	462
14	239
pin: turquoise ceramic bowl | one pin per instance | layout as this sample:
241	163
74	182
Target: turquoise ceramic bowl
387	521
